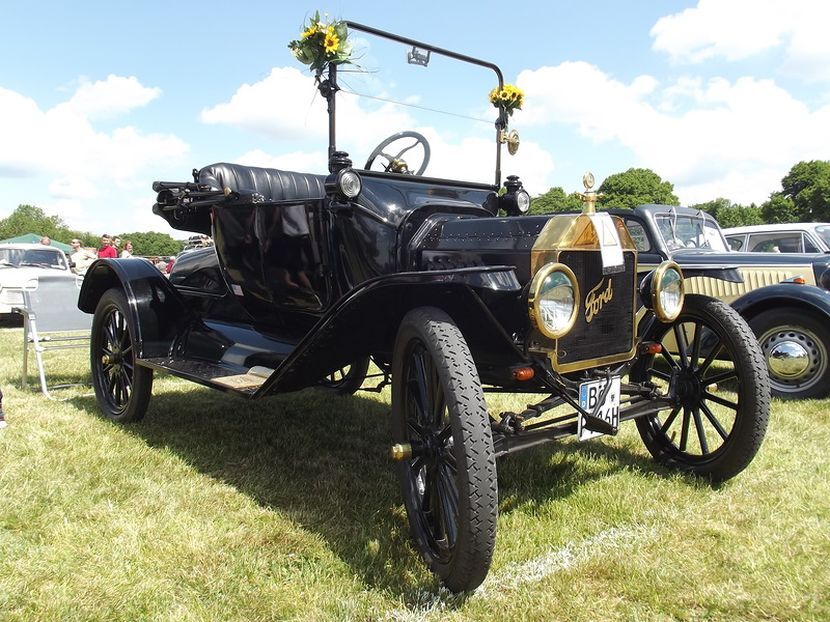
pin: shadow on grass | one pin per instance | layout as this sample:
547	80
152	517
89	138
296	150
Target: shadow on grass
321	461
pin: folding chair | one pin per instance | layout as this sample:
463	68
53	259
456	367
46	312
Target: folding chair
52	321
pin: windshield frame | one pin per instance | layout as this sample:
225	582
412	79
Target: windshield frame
328	89
704	225
822	232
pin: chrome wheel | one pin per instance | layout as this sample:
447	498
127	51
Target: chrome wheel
796	349
796	357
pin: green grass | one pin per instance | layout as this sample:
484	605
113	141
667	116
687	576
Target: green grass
215	508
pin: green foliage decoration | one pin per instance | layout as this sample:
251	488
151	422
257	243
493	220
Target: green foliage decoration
322	44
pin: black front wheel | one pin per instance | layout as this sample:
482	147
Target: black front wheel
122	387
448	476
713	370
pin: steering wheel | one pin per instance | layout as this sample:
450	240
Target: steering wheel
396	164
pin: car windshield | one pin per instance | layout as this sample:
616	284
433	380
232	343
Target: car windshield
823	231
32	257
392	87
690	231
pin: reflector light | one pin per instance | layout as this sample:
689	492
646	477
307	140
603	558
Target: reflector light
651	347
523	374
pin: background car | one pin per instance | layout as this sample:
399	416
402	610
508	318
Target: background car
784	297
800	237
20	267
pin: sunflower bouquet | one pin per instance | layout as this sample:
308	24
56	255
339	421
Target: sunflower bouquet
507	98
322	44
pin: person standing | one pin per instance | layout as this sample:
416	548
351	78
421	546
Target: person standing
81	257
107	250
46	241
128	249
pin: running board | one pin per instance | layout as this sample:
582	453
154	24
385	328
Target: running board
230	378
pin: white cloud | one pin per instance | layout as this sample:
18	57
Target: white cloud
299	161
110	98
714	138
286	106
62	143
72	187
75	170
361	125
740	29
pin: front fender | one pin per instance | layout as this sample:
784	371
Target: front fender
366	321
784	295
157	311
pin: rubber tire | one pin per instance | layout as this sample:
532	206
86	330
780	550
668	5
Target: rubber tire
475	477
767	320
351	382
745	437
142	377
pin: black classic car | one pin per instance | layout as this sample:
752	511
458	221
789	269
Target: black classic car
447	288
784	297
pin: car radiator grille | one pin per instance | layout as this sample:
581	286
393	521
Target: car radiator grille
610	333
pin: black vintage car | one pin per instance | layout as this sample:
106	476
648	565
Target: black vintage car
783	297
449	290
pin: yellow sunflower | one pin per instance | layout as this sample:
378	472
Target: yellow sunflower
508	97
313	29
331	42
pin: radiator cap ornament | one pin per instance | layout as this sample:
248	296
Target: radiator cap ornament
609	239
590	196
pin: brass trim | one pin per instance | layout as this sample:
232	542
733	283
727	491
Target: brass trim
590	196
572	232
533	299
512	140
591	363
656	277
400	451
611	359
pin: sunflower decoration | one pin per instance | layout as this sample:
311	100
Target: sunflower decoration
507	98
322	44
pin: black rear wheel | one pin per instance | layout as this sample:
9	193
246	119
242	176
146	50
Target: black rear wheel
449	479
712	368
348	379
122	387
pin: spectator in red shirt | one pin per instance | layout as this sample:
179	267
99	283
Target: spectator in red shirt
107	249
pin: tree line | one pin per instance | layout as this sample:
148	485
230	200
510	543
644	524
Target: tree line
804	197
32	219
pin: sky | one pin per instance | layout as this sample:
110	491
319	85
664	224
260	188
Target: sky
99	99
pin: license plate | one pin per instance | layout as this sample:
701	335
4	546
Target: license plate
589	395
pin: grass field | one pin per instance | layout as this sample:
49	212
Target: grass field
214	508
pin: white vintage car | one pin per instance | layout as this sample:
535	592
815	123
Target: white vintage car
799	237
20	267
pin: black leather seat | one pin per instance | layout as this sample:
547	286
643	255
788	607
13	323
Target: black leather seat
272	184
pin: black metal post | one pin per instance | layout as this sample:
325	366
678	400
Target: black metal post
332	93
